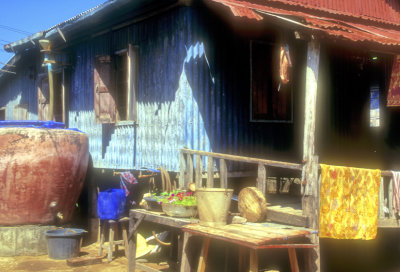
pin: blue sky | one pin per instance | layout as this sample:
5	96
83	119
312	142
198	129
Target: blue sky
31	16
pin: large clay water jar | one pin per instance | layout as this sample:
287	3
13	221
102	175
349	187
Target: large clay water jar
42	171
213	205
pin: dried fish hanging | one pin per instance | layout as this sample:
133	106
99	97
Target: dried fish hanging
284	64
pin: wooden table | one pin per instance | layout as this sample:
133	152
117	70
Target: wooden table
137	216
250	235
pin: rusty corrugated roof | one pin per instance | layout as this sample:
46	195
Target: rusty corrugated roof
354	30
386	11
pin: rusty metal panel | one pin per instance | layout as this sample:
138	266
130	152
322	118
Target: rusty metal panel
377	10
350	26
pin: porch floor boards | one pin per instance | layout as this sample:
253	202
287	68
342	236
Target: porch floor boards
285	209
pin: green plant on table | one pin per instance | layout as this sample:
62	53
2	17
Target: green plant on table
178	198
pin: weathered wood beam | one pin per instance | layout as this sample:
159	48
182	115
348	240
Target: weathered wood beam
287	165
310	188
262	179
210	172
310	112
189	177
182	169
199	169
223	174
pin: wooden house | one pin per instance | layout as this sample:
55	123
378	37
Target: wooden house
291	82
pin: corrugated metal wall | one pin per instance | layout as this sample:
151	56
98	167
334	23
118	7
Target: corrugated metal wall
193	91
20	89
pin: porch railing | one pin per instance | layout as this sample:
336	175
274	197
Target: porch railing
387	216
192	170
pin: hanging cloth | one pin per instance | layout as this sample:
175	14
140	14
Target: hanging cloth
393	98
125	179
349	202
396	192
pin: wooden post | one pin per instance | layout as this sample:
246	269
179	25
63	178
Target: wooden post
203	255
185	263
253	260
294	266
382	198
261	179
210	172
182	169
132	241
189	177
390	197
199	168
223	174
310	188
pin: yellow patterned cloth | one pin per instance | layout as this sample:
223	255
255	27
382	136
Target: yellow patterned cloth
349	202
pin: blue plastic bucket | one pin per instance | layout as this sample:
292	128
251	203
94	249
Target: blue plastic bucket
111	204
64	243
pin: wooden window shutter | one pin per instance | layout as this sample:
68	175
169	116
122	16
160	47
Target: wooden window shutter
43	99
104	101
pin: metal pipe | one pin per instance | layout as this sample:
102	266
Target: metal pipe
46	45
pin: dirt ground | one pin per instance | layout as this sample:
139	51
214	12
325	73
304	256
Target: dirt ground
44	263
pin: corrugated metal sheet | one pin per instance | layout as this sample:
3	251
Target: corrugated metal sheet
339	28
386	11
20	89
193	91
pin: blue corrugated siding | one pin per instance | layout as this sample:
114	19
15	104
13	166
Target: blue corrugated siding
20	89
193	91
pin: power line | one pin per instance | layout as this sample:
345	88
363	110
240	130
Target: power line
15	30
5	41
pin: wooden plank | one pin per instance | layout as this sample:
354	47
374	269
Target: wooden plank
182	169
85	260
382	198
133	60
132	240
242	258
390	198
161	218
287	165
294	265
210	172
312	70
388	223
199	168
253	260
203	255
242	234
189	176
102	236
185	264
310	188
146	268
262	178
223	174
287	216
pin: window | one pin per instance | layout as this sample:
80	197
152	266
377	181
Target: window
374	116
115	85
270	100
3	114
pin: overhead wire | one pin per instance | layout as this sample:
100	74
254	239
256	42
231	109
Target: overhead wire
9	28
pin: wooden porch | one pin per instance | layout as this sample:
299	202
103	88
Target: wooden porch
282	207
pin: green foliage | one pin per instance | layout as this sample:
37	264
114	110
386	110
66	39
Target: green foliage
178	198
